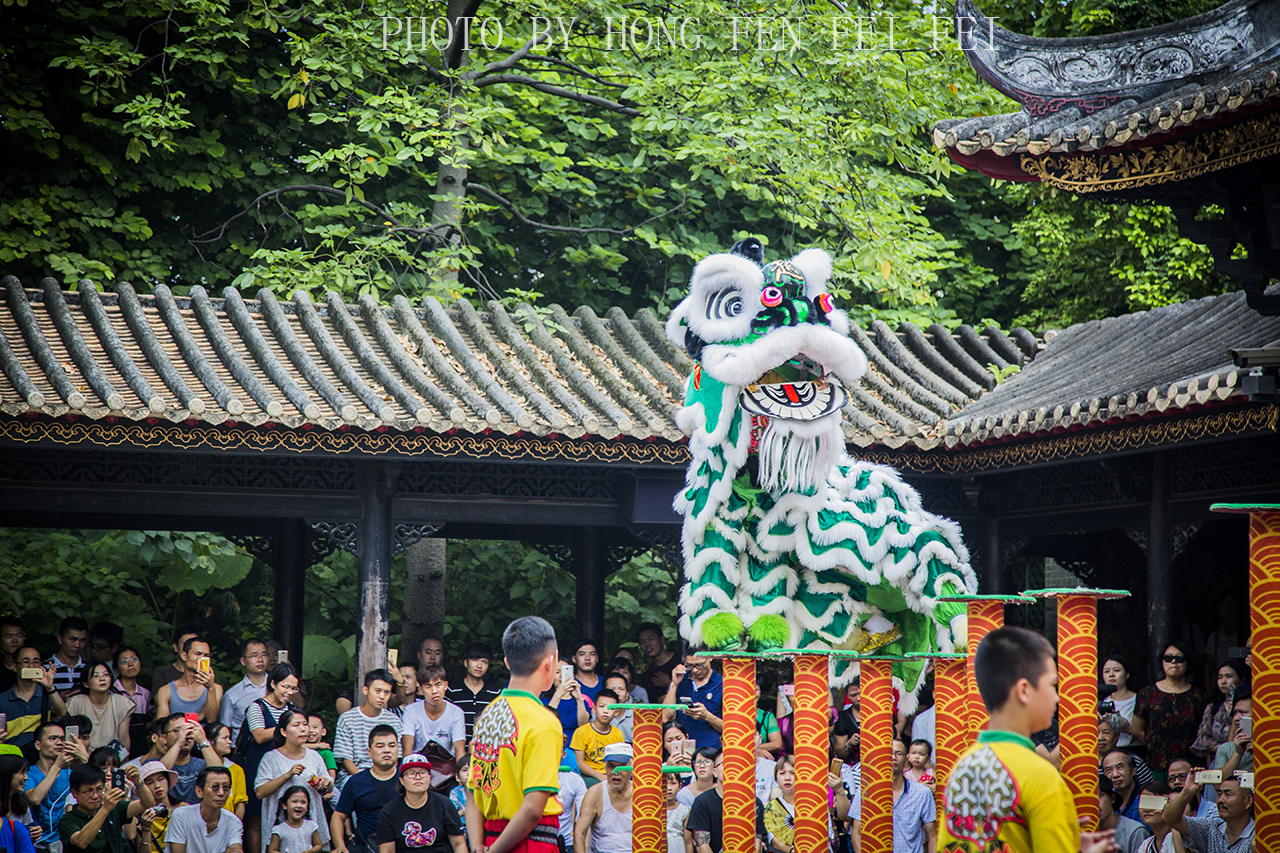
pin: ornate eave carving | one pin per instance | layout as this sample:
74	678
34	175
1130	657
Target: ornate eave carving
1093	73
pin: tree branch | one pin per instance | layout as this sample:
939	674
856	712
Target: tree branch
558	91
438	234
568	229
581	72
516	56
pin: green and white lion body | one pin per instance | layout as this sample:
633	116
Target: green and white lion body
810	548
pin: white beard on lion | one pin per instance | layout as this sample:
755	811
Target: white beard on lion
797	455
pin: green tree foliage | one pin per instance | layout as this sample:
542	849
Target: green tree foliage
1025	254
146	581
280	145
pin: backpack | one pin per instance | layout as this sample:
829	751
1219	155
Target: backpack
245	741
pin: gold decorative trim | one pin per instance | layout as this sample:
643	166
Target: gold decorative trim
1223	422
1210	151
1234	421
222	439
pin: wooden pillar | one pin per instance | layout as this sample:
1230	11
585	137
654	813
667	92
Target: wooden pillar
648	802
812	752
293	558
376	484
995	576
877	756
590	570
739	755
1264	619
1078	692
1159	562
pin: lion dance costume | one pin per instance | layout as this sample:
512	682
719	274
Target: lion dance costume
787	540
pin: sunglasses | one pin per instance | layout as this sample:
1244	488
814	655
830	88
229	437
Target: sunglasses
1175	658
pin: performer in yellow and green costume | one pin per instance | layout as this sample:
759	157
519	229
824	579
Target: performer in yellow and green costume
787	540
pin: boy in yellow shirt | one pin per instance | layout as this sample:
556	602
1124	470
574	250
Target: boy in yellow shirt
1002	797
589	741
513	803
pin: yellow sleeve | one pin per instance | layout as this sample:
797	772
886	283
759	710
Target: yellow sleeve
1051	813
540	758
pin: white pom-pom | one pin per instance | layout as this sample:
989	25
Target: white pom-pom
817	267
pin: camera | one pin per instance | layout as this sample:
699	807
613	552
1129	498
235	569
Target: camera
160	811
1105	705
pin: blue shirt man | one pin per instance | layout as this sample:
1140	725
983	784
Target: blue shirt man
696	684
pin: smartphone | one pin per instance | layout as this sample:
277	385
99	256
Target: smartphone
203	665
393	658
1209	777
72	734
282	656
1238	652
1246	779
566	673
787	689
192	718
1152	802
32	673
117	778
3	723
1246	726
835	766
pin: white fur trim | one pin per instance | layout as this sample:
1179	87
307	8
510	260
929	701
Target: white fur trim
675	326
743	365
714	275
960	632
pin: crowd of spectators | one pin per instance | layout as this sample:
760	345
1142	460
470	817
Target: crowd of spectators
92	759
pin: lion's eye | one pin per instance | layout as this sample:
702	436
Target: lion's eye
724	305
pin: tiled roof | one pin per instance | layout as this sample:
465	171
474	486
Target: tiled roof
338	366
1089	94
1106	371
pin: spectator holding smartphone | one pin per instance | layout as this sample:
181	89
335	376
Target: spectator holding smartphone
24	705
696	684
108	711
96	824
195	691
184	737
48	783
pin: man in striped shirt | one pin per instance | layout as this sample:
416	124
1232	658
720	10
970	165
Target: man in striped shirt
73	633
351	741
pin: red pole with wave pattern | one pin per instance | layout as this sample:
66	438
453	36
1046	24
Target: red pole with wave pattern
985	615
877	756
739	755
1078	701
812	747
951	720
648	807
1264	615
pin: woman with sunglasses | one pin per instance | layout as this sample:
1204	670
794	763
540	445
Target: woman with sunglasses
1167	714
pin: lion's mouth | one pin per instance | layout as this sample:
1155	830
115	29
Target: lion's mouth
798	390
